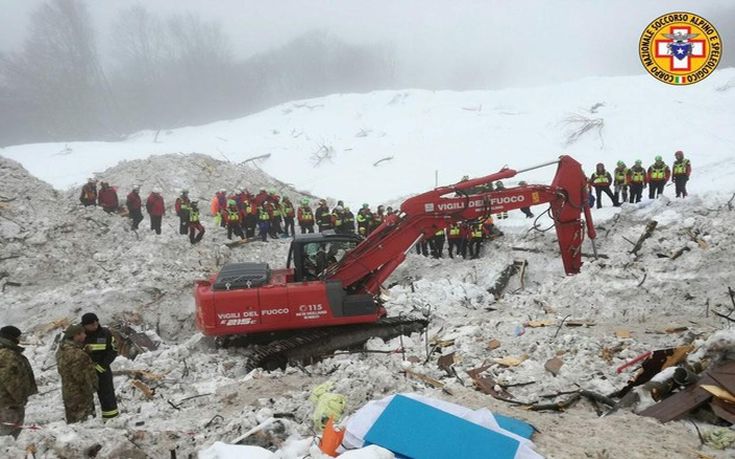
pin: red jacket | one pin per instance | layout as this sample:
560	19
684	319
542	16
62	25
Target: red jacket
107	198
261	197
155	206
133	201
181	200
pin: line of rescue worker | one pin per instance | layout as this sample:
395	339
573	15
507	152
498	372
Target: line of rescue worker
268	215
628	183
83	359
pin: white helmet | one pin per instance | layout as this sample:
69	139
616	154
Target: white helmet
157	190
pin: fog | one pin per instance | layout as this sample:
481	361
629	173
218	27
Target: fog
165	63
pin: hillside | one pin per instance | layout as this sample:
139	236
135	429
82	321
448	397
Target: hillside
454	133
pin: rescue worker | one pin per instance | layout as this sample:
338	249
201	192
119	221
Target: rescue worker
323	216
337	221
100	344
182	206
233	219
500	187
264	221
196	230
620	182
378	217
348	221
107	198
134	206
156	209
477	236
637	180
289	214
526	210
601	181
17	382
364	219
488	227
305	217
79	379
88	197
658	174
454	239
682	169
251	217
261	197
437	243
222	207
422	247
276	215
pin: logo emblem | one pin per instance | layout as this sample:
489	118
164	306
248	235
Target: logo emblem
680	48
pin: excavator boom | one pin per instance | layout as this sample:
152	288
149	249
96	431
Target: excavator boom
366	267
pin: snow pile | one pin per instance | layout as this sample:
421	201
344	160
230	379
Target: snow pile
70	258
204	394
201	174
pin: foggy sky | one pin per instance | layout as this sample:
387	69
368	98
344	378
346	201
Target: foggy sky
437	44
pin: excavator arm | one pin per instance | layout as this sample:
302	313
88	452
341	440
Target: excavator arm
368	265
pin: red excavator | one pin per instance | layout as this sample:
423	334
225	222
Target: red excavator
335	279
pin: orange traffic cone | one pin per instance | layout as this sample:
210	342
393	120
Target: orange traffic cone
331	438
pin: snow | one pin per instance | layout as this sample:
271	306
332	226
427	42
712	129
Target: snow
70	260
454	133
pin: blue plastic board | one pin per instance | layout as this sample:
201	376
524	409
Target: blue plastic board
514	425
418	431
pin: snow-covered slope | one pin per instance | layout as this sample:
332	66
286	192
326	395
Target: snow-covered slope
456	133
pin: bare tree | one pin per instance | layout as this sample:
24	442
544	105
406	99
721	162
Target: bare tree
58	72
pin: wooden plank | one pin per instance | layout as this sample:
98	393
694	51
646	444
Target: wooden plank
724	374
680	403
723	410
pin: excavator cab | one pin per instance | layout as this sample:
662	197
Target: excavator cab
314	254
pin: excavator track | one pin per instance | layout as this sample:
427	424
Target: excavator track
309	346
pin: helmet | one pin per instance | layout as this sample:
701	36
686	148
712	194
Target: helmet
222	190
365	205
522	183
272	191
136	187
194	203
305	202
231	202
339	208
499	184
347	209
262	188
621	163
157	190
243	189
340	203
599	165
184	191
659	158
679	153
91	180
638	162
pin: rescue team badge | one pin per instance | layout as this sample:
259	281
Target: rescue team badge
680	48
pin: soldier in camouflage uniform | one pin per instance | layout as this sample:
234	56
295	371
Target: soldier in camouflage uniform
78	376
16	382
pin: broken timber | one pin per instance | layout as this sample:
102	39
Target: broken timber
502	282
646	234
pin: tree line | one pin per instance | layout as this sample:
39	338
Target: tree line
161	73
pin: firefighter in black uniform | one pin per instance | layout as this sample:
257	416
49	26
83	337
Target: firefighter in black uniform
101	347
